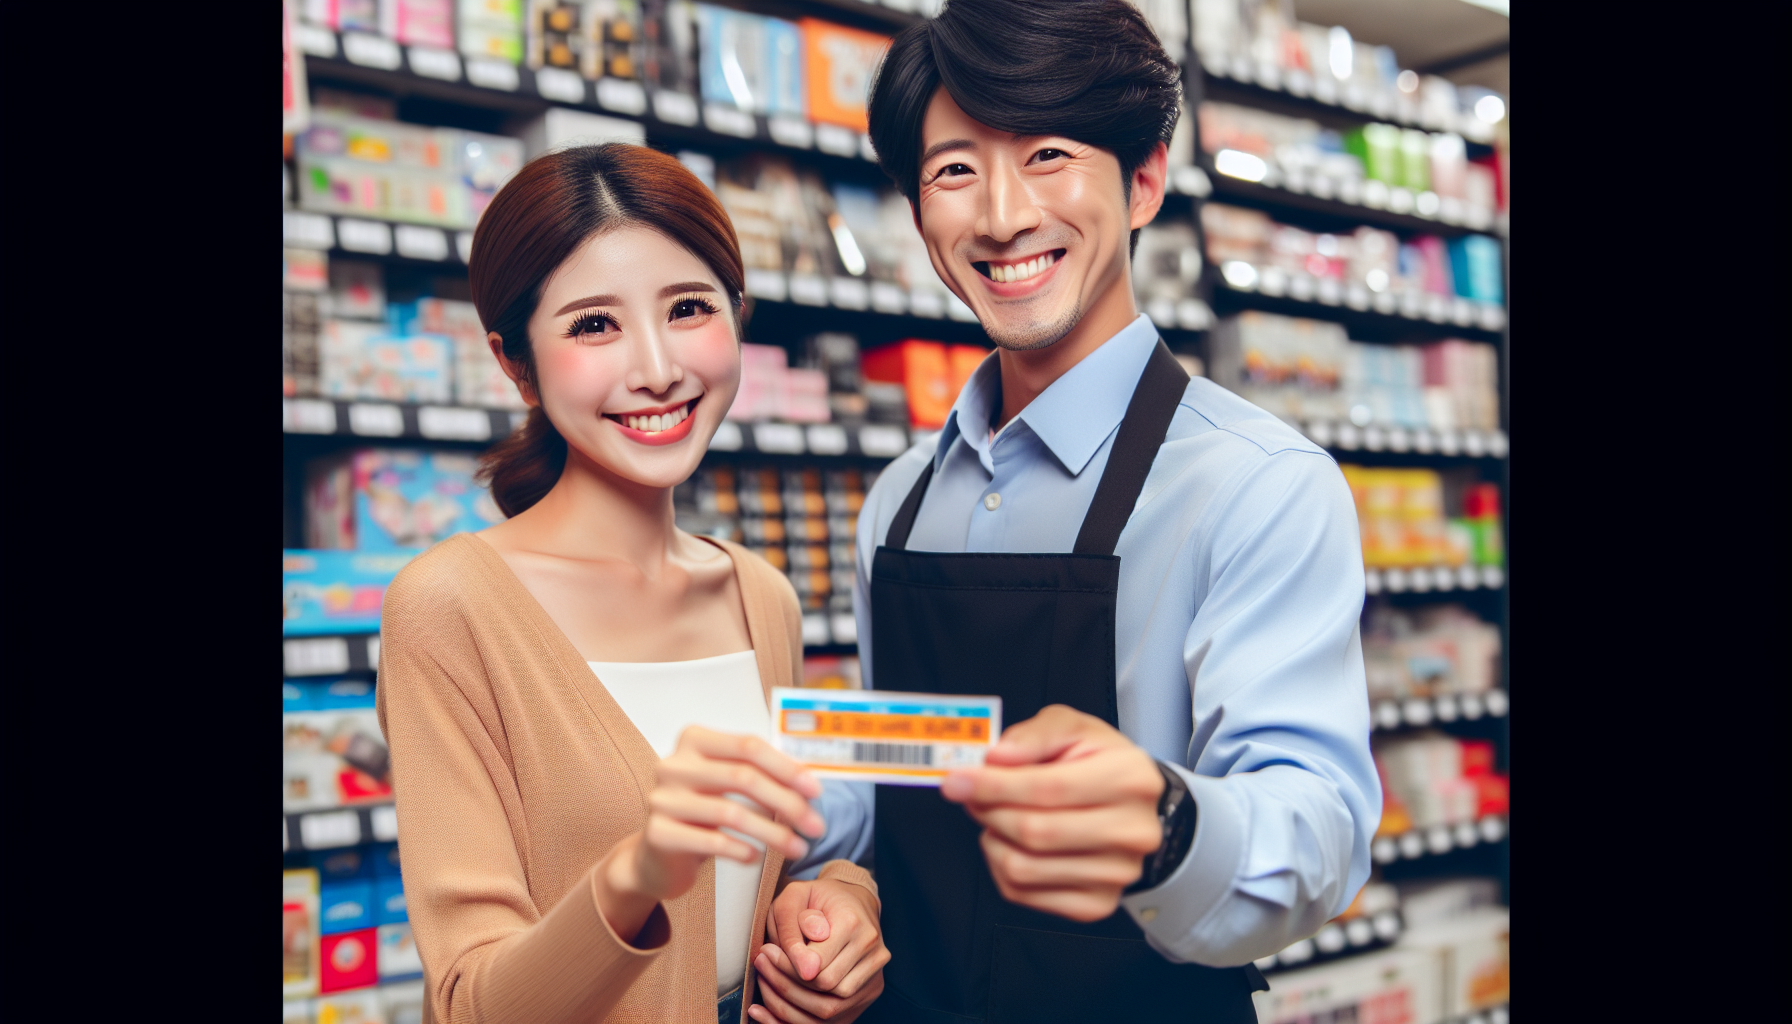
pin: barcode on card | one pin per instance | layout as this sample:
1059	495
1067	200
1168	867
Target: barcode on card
891	753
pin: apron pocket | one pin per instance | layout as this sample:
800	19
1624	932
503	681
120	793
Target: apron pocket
1042	977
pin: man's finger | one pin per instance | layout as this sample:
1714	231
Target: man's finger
1046	736
1022	870
1074	830
775	986
787	912
814	924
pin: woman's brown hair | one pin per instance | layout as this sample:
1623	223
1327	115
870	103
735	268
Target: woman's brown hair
552	206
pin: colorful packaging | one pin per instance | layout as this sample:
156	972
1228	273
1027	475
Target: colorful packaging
388	901
750	61
298	344
841	62
350	961
478	379
1475	265
419	22
360	1007
555	34
299	940
614	39
670	48
345	905
364	166
335	591
398	956
359	359
924	370
335	759
357	290
491	28
394	499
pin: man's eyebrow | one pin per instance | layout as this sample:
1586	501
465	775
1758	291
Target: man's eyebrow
950	144
589	300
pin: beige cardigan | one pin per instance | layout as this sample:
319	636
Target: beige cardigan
515	773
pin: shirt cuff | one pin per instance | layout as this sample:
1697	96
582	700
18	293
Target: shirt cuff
1169	913
847	871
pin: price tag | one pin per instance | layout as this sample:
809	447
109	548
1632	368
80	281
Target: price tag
1350	190
370	51
1462	313
1473	444
1372	581
1357	297
888	298
1295	180
827	439
727	437
1374	439
1395	579
1398	439
1299	953
1449	442
844	627
1492	317
1321	433
420	243
453	424
882	441
1387	715
1471	707
1385	850
1301	287
1273	281
831	138
375	420
1386	925
815	630
1330	939
926	303
726	120
1360	932
1493	577
329	829
316	656
463	244
1420	580
560	84
767	284
808	290
1450	210
1466	835
791	131
1496	703
307	416
849	293
622	95
778	438
368	236
1375	194
1349	436
1438	839
867	152
306	230
1493	829
1437	308
1387	303
1424	442
493	74
430	62
1416	712
384	820
315	41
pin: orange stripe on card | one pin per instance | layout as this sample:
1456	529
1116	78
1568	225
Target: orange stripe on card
859	725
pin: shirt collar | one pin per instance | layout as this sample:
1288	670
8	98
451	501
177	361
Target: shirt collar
1074	415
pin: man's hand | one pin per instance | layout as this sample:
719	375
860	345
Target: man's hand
826	956
1068	807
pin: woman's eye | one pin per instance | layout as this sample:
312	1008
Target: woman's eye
591	324
684	308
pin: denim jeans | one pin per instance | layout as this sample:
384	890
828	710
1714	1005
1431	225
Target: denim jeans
728	1007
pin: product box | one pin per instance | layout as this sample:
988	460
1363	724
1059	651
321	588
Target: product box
357	359
924	369
485	164
335	591
364	1006
346	905
398	957
403	1002
614	39
388	901
394	499
1475	266
750	61
299	939
841	62
490	28
357	291
419	22
1393	985
1474	955
764	384
554	34
384	857
350	960
346	863
334	759
478	379
298	343
360	165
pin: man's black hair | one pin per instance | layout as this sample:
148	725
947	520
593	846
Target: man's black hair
1090	70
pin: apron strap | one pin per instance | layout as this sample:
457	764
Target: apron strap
1142	432
905	514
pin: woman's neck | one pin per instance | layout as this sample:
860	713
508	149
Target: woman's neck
591	514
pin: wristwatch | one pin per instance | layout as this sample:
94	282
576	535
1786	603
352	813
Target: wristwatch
1176	815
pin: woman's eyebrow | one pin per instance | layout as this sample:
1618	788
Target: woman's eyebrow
688	286
589	300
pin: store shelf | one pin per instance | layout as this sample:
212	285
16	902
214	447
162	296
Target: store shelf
1242	278
338	827
482	81
1336	941
1438	578
1439	840
1348	437
329	655
1418	712
1319	95
1355	200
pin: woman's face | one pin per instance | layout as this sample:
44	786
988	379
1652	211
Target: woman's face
636	359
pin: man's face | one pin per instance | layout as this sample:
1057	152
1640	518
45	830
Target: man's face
1028	230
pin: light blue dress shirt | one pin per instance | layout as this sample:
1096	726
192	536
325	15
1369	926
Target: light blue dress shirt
1237	648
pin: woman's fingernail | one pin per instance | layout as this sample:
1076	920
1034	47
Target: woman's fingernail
802	849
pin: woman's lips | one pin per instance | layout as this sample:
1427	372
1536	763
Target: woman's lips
643	429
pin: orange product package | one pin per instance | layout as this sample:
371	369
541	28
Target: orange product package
840	63
964	359
924	370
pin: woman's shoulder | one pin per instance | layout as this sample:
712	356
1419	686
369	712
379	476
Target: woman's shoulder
447	579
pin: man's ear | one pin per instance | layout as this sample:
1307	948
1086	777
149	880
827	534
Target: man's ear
1148	186
512	370
915	212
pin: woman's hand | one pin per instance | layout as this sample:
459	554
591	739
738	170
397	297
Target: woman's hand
688	809
826	957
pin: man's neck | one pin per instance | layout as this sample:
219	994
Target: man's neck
1026	375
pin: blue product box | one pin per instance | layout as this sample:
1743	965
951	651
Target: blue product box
343	693
394	499
335	591
296	697
1475	263
750	61
786	87
345	906
385	859
388	901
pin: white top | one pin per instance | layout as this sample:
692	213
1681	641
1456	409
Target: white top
662	699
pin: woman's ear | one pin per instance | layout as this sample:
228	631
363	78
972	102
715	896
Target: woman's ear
512	370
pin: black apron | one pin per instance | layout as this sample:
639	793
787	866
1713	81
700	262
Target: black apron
1034	629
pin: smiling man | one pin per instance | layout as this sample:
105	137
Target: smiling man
1161	581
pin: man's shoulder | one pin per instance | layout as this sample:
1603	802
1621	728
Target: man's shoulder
1238	426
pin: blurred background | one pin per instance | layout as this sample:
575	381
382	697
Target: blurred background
1334	249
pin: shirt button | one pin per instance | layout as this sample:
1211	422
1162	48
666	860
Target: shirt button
1148	915
992	501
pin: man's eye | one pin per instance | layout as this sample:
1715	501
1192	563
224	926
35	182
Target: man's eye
953	171
1049	154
